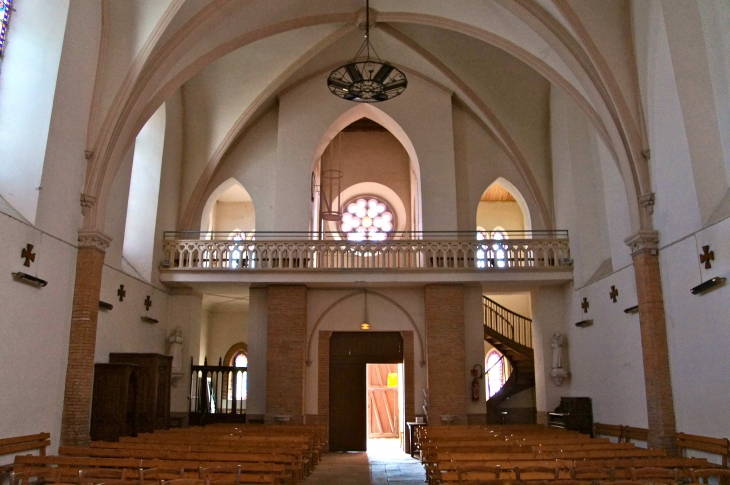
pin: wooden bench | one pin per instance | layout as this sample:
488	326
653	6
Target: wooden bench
18	444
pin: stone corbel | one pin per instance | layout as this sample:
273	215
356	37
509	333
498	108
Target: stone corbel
647	202
87	202
643	241
92	238
558	375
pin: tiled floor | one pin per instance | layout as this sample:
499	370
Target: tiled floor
383	464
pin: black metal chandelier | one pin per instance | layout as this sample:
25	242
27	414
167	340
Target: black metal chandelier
367	81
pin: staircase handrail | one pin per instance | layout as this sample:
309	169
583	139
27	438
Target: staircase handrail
523	335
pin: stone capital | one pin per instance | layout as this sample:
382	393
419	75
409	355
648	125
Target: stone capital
92	238
643	241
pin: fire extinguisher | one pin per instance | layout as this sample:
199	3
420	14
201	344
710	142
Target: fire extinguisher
476	374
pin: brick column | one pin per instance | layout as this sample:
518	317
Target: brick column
76	417
286	352
445	349
655	349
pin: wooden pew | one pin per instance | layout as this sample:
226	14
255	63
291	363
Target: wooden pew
19	444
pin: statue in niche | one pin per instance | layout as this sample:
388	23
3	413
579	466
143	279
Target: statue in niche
174	349
557	373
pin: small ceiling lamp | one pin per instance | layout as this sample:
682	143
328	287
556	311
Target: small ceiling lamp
365	325
367	81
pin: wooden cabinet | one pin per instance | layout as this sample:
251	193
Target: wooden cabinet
114	402
153	389
574	414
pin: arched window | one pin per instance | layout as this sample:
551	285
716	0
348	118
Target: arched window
496	372
5	6
241	360
494	255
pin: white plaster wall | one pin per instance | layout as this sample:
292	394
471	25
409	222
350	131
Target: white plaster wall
517	302
65	166
606	359
698	332
676	211
122	329
251	162
579	194
203	336
479	162
225	329
347	317
423	111
185	311
548	317
116	214
34	332
144	192
258	316
27	87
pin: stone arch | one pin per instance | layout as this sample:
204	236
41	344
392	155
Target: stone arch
521	202
234	351
379	116
341	300
215	195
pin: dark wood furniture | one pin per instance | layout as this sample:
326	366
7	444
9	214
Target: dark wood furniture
574	413
415	448
114	402
153	389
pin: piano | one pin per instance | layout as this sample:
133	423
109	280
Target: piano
574	413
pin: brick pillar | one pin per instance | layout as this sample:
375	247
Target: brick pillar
286	352
445	350
655	349
76	417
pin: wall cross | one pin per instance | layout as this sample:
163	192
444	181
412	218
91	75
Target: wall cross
28	255
121	292
705	257
585	305
148	303
614	293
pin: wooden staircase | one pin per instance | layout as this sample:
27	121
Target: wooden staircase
511	334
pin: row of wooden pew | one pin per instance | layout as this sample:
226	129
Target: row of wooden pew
231	454
536	453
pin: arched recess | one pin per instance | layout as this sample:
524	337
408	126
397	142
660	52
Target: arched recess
372	113
234	351
521	202
373	293
594	90
230	189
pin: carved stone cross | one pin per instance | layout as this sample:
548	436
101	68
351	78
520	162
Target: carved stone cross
585	305
121	292
148	303
705	258
614	293
28	255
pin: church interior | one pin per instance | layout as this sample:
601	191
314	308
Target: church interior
533	212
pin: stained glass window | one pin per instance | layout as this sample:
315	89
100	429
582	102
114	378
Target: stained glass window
242	382
367	218
4	15
495	372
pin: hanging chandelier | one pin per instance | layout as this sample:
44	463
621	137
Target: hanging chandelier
367	81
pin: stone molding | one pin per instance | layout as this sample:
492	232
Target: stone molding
643	241
94	239
647	202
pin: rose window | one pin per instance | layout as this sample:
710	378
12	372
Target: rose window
367	218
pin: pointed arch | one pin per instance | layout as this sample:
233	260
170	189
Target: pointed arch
215	195
521	202
386	121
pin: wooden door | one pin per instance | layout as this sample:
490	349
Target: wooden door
350	352
382	400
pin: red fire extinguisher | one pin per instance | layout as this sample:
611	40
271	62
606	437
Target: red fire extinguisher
476	374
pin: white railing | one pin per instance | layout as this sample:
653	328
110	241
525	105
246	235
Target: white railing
435	251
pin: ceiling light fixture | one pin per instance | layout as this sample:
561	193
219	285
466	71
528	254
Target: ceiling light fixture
367	81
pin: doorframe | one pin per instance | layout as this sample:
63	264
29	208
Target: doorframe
409	382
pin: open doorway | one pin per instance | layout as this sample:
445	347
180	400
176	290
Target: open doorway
384	405
350	356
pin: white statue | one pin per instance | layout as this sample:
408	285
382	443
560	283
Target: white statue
558	374
175	350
